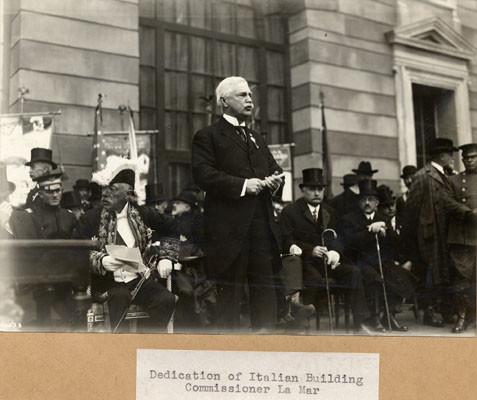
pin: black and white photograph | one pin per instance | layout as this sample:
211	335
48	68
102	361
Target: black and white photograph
281	167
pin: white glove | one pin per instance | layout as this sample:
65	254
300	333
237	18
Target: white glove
377	227
111	264
164	268
5	212
295	250
333	258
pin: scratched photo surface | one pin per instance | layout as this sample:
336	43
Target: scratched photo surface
239	166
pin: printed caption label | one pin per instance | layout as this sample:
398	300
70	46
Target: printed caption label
181	374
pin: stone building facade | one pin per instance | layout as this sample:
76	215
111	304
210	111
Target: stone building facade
394	73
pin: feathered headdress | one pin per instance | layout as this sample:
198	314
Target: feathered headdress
117	170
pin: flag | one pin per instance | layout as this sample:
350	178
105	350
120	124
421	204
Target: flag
326	158
99	148
132	137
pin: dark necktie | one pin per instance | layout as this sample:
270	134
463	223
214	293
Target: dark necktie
315	215
241	131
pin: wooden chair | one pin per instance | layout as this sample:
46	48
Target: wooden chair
98	317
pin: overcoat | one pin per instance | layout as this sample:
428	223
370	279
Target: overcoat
221	161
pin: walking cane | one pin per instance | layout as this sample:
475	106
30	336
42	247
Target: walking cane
384	285
133	296
326	277
170	324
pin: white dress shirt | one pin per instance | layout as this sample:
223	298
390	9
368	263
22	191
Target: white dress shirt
314	209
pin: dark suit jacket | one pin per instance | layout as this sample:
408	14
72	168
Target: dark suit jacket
345	202
221	161
298	222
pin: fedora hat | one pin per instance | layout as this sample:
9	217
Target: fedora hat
312	177
385	195
442	145
154	193
408	170
349	180
6	187
43	155
365	168
368	187
189	197
468	148
81	184
70	200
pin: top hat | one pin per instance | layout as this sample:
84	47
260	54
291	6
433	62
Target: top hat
468	148
365	168
367	187
189	197
408	170
40	154
385	195
70	200
6	187
442	145
350	180
81	184
154	193
312	177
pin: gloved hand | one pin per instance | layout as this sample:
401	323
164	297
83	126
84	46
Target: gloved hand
333	258
295	250
377	227
164	267
111	264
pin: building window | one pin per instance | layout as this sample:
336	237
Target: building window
186	48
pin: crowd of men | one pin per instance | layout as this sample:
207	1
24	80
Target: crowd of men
232	249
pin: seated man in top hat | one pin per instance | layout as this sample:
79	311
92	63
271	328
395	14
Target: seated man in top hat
361	230
83	191
365	170
306	220
120	222
347	201
40	164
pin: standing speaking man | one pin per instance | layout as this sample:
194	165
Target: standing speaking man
235	168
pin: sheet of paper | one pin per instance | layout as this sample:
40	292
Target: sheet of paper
130	256
180	374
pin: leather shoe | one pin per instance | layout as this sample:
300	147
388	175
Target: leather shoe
364	329
300	310
461	325
431	319
395	325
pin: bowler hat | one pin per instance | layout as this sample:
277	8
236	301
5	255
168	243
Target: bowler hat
70	200
6	187
349	180
81	184
408	170
365	168
312	177
154	193
40	154
367	187
442	145
468	148
385	195
189	197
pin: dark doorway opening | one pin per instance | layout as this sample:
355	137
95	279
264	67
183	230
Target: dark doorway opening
434	116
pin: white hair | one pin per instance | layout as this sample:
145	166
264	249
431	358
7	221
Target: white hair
225	87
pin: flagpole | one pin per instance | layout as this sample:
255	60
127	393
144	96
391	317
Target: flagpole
326	158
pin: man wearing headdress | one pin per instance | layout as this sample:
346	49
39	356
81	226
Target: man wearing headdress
119	221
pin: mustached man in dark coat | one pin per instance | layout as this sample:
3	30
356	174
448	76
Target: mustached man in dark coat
235	168
359	230
305	220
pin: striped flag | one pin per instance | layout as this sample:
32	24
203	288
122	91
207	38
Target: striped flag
132	137
326	158
99	147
